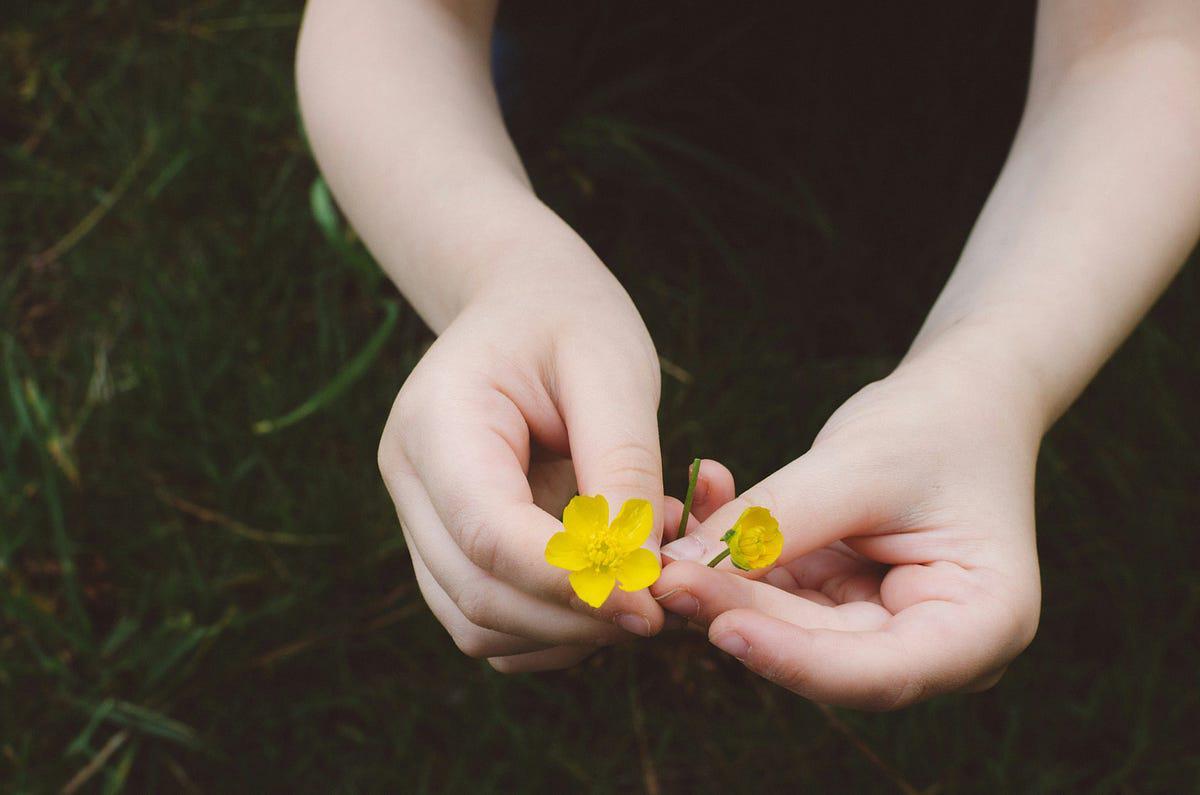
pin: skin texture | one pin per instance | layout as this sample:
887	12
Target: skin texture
909	567
542	363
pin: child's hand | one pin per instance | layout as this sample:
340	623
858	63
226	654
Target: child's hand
526	374
909	565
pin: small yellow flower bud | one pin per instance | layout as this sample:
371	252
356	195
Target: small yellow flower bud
755	541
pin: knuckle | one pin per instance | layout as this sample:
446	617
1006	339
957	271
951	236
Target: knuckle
773	666
989	681
408	410
631	466
909	690
476	601
472	642
474	535
504	665
1027	622
393	466
384	460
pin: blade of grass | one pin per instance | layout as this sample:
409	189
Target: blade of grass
120	774
55	442
152	722
97	763
868	753
168	173
239	528
89	221
80	744
50	493
340	382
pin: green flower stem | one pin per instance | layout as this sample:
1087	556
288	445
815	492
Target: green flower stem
712	564
687	498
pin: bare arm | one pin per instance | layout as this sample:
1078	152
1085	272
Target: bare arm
1097	206
399	108
543	371
909	565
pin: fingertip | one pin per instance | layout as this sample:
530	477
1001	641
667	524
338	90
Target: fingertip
739	633
692	547
650	612
546	660
714	487
720	626
627	612
751	626
501	665
826	666
732	643
634	624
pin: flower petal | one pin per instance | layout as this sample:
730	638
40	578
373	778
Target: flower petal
639	569
633	524
737	548
755	541
584	517
772	547
757	516
593	585
567	551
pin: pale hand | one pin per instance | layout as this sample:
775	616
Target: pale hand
531	390
909	566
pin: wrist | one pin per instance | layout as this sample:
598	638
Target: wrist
480	244
525	257
975	362
555	288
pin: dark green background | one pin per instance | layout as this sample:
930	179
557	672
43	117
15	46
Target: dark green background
782	191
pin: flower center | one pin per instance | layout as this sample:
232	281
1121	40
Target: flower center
601	552
751	544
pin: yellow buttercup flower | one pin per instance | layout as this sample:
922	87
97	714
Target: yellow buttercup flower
599	554
755	541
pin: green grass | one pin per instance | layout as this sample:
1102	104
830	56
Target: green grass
186	604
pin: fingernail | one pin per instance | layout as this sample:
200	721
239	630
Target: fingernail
668	594
631	622
702	489
733	644
682	603
686	548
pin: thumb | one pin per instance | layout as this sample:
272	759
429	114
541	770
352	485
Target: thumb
612	430
817	500
611	414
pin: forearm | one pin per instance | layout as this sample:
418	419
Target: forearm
400	111
1094	212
